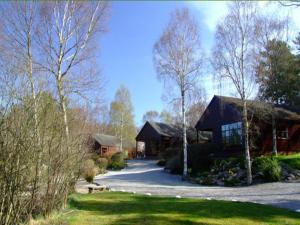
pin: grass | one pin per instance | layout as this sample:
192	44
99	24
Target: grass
291	160
114	208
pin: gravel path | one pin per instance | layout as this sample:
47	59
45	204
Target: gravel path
144	176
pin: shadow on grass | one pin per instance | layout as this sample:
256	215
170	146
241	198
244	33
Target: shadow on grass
152	210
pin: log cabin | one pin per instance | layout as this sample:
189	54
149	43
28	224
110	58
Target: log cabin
106	145
157	137
223	117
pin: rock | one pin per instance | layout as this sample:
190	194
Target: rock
285	173
292	176
297	173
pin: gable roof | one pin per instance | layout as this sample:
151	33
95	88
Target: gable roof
107	140
164	129
263	108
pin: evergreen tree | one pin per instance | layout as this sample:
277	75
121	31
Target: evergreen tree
278	74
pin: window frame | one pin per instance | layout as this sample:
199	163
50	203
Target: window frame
104	150
232	134
280	133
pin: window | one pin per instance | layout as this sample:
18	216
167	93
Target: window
283	134
104	150
232	134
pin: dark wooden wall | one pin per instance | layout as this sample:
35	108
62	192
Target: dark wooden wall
290	145
216	115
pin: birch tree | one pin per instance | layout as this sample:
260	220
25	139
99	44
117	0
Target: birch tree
178	57
66	47
122	118
234	59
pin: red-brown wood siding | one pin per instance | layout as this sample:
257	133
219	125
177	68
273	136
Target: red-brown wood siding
290	145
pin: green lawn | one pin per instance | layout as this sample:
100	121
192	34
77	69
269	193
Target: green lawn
292	160
123	208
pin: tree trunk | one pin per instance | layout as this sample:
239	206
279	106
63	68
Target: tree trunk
62	100
184	175
274	138
121	135
36	129
246	143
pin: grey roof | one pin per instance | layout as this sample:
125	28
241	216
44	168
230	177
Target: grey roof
259	107
107	140
164	129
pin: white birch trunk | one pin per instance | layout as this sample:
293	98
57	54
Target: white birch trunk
246	143
62	99
184	136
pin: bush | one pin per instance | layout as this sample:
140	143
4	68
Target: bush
102	163
161	162
117	165
93	156
125	154
89	170
174	164
201	156
170	153
117	161
268	167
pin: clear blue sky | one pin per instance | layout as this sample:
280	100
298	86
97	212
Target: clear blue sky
126	50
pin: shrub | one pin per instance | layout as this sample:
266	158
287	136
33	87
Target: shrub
174	164
161	162
170	153
102	163
125	154
89	170
201	156
93	156
117	165
117	161
268	166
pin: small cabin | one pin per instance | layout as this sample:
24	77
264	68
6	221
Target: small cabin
106	145
156	137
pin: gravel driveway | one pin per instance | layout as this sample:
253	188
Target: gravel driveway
144	176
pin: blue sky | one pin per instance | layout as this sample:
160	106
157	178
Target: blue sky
126	50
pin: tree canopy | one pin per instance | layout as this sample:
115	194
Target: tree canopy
121	116
277	74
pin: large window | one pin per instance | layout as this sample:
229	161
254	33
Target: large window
232	133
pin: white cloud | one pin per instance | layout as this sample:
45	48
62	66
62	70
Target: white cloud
212	12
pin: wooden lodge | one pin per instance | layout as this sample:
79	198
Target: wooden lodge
106	145
223	117
157	137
